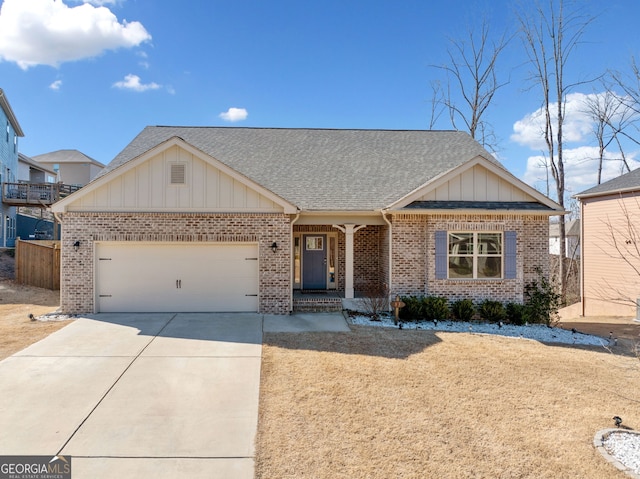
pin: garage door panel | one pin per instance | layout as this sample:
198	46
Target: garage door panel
185	277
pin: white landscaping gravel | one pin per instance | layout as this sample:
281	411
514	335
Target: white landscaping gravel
536	332
625	447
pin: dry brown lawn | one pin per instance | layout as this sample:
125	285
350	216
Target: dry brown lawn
17	331
416	404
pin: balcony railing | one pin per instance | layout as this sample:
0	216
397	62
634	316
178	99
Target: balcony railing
35	194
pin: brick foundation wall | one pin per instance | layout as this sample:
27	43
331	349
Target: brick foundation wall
414	255
78	268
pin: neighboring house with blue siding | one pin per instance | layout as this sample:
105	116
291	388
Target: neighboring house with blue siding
11	130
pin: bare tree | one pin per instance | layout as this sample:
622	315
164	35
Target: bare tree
611	117
471	83
550	35
630	86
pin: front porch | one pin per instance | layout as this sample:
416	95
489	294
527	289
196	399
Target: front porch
343	258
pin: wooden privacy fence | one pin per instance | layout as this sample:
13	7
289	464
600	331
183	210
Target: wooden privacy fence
38	263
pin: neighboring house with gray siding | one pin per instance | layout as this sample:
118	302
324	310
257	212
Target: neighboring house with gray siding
11	131
610	214
245	219
30	171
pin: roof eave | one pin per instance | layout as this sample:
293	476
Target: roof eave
4	103
630	189
476	211
322	212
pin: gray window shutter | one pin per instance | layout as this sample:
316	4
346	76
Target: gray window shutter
441	254
510	255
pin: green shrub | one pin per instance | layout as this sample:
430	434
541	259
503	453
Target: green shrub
463	310
412	308
435	307
516	313
542	300
492	311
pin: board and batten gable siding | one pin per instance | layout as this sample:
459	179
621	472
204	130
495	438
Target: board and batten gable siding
609	283
476	184
418	270
148	187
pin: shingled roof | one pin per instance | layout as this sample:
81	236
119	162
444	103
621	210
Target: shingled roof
627	182
323	169
66	156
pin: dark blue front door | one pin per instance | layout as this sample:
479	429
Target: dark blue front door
314	262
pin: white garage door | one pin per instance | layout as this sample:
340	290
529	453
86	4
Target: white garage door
176	277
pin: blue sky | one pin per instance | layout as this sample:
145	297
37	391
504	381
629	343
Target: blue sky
90	75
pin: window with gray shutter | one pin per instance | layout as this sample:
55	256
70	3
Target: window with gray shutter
510	254
441	254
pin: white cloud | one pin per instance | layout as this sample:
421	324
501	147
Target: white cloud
132	82
577	126
580	169
45	32
580	156
144	63
102	2
234	114
56	85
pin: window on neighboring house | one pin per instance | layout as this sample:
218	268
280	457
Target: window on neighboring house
11	228
475	255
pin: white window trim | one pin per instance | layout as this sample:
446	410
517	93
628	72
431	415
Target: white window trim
476	255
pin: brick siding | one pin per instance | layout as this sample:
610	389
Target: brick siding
413	252
78	268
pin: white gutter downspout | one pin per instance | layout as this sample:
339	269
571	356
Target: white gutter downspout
292	259
383	212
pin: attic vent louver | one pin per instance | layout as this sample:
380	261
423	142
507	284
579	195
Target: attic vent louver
178	174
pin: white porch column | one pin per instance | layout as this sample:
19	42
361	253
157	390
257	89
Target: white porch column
348	230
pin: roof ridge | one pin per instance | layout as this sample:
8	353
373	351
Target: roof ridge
302	128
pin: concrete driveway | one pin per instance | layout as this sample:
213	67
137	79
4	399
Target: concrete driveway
138	395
